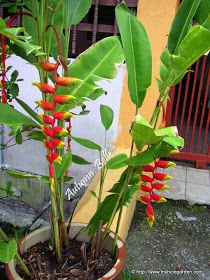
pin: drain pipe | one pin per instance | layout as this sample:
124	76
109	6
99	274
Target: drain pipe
2	166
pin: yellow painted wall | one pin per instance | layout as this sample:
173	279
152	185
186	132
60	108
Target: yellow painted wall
156	16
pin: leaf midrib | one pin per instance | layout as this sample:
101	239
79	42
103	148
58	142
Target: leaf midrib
133	58
182	31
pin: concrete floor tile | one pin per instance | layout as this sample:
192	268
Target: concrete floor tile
177	190
196	193
198	176
177	172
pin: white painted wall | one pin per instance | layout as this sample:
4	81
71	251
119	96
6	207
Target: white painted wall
30	157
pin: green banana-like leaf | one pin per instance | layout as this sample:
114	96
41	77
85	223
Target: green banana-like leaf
13	118
14	35
100	61
55	16
28	110
142	133
181	24
103	213
138	55
203	11
173	67
193	46
21	175
77	10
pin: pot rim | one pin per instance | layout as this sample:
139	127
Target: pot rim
111	275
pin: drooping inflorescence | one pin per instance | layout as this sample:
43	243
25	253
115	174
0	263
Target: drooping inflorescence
52	117
149	185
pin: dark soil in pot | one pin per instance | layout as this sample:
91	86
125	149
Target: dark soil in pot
42	262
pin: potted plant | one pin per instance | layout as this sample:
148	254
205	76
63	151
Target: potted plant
149	143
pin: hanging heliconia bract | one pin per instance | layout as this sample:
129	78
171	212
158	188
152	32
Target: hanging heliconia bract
149	185
51	128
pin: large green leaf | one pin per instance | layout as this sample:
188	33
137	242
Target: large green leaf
143	133
79	160
12	118
117	161
7	250
21	175
54	16
166	146
181	23
87	143
60	169
28	110
14	35
77	10
107	116
103	213
142	158
194	45
203	11
138	55
100	61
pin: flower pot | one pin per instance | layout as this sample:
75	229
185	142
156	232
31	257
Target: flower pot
43	234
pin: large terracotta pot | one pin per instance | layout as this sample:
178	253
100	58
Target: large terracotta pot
43	234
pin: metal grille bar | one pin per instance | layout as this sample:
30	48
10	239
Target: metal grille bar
189	109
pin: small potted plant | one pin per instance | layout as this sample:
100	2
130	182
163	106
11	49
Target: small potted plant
76	251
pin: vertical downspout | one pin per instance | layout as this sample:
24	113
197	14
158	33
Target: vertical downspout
2	166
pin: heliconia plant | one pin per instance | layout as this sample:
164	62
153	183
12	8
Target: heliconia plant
60	94
152	143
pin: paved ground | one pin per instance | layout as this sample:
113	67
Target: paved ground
189	184
172	244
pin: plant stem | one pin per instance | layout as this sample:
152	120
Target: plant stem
55	224
124	189
17	256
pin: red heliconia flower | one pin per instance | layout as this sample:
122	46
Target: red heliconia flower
145	188
54	157
63	99
150	216
148	168
144	199
51	171
164	163
62	115
45	105
45	88
56	143
157	198
47	131
58	130
160	187
162	176
66	81
48	145
46	119
47	66
146	178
